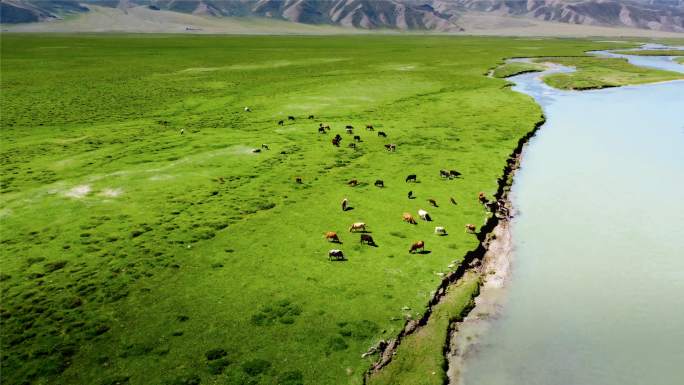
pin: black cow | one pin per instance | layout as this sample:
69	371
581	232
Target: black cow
380	133
411	177
455	173
336	142
321	130
338	137
350	127
444	173
410	194
367	238
281	123
379	183
290	118
310	116
357	138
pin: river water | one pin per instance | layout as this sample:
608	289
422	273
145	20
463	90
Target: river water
597	291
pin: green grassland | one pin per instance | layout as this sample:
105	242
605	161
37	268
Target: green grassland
515	68
602	72
673	52
132	253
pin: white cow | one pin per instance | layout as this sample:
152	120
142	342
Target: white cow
335	253
440	230
423	214
247	109
357	226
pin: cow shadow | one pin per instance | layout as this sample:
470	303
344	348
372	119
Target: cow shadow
348	208
424	252
412	198
363	232
372	244
338	260
442	234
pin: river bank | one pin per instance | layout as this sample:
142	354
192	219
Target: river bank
559	249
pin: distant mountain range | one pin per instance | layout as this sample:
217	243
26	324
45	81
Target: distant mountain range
435	15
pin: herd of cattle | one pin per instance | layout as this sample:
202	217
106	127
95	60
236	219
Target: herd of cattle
496	205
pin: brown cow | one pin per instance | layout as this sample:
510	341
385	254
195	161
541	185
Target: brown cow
353	182
482	198
470	227
336	142
298	180
453	201
416	246
367	238
257	150
332	236
408	217
221	179
432	202
358	225
352	145
327	127
369	128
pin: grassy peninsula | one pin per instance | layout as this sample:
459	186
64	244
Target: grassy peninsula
515	68
603	72
134	253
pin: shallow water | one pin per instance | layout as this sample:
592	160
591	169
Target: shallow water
597	294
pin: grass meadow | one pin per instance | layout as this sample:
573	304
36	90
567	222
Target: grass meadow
134	254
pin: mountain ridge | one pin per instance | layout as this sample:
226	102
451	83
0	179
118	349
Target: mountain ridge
408	15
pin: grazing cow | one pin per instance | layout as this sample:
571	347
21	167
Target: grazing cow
182	131
338	137
452	200
379	183
247	109
352	145
416	246
353	181
264	146
332	236
410	194
422	214
336	142
257	150
370	128
482	199
387	146
321	130
357	138
408	217
392	147
344	205
356	226
281	123
380	133
455	173
283	152
349	130
298	180
349	127
367	238
221	179
470	227
327	128
411	177
444	173
432	202
337	254
310	116
290	118
440	230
